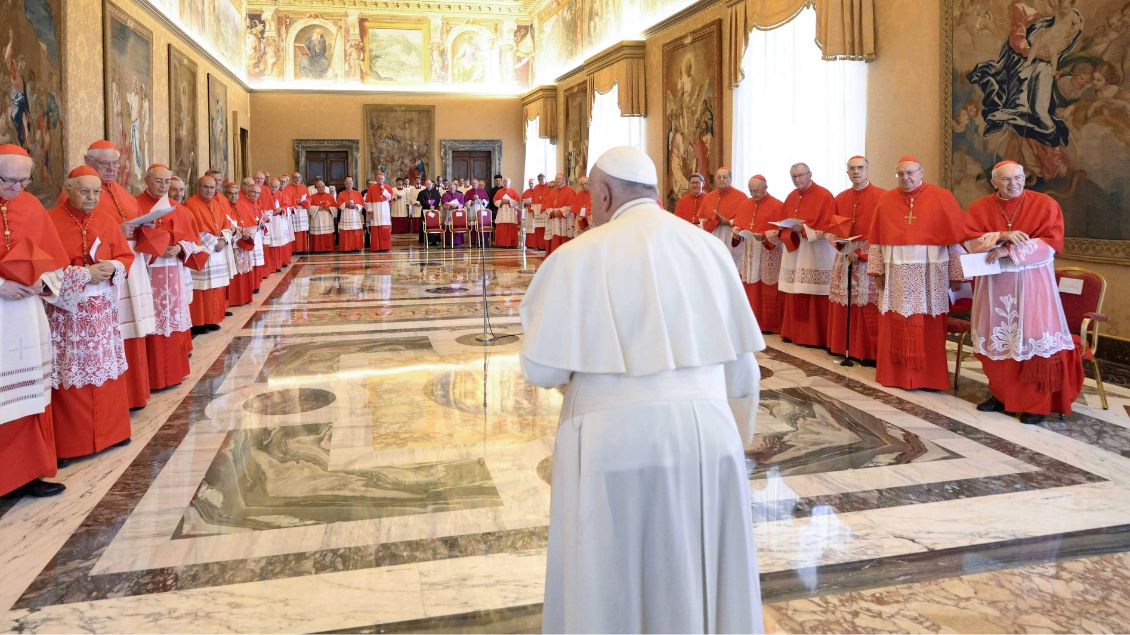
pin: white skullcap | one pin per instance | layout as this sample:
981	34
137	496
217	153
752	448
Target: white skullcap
628	164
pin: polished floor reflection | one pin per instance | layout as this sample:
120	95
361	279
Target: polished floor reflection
347	457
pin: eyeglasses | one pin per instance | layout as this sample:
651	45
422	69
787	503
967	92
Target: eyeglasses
797	176
89	192
108	164
908	172
14	181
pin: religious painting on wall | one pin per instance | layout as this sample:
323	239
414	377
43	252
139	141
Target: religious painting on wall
601	22
560	37
314	53
218	153
182	117
1045	83
576	133
395	53
129	94
224	29
473	55
399	140
524	47
692	108
32	86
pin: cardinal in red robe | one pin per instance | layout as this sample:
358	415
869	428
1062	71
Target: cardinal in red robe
1018	327
90	405
378	208
506	221
914	236
30	250
759	262
210	285
689	204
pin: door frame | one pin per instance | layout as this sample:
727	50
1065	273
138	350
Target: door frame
494	146
351	146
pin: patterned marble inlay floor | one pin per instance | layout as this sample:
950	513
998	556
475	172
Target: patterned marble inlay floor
352	460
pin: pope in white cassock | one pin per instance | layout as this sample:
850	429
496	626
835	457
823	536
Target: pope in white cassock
650	522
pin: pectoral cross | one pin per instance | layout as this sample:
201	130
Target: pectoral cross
910	217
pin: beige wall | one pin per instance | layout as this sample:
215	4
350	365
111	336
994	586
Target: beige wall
83	95
281	117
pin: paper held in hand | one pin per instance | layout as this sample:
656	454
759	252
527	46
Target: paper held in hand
162	208
748	235
849	239
788	223
975	265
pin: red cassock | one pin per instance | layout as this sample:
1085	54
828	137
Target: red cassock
1025	380
248	216
242	285
208	305
322	242
557	199
914	247
805	319
271	256
506	223
286	203
858	206
723	202
380	220
535	237
350	239
689	206
168	354
300	195
89	418
27	443
582	202
764	298
117	203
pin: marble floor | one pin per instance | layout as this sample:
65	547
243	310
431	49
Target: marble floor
346	457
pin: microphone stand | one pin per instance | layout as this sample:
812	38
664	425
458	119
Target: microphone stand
487	337
846	361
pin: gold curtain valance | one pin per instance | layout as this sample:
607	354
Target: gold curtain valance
845	29
623	65
541	104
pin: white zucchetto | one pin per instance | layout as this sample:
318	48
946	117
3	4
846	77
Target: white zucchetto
629	164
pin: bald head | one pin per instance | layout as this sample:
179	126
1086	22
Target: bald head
206	187
559	179
16	170
758	188
157	180
250	187
1008	179
320	185
858	172
275	185
83	192
909	175
260	177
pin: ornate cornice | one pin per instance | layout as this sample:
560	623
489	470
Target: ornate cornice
628	49
1097	250
495	8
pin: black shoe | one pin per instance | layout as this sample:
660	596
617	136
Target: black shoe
1031	419
228	314
62	463
212	327
992	404
786	340
122	443
255	292
867	363
38	488
199	330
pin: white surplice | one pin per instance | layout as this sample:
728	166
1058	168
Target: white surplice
25	365
650	526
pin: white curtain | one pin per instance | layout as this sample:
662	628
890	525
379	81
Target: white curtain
794	107
608	129
541	156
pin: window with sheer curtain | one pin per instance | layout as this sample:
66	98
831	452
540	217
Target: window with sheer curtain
795	107
541	156
608	129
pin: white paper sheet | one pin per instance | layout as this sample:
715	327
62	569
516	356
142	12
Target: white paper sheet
974	265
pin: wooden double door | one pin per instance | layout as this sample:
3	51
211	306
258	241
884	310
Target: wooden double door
469	164
331	166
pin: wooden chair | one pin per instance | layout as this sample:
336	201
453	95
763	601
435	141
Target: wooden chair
459	226
485	225
1083	311
957	323
432	227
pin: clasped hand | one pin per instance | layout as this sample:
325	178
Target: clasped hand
100	271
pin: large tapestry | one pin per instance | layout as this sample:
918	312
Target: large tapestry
218	126
396	54
1044	83
182	121
32	86
399	139
129	94
692	100
576	132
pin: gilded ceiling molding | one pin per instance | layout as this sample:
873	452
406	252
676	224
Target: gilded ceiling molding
622	64
541	104
499	8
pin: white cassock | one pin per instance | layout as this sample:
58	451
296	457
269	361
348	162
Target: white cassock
650	523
